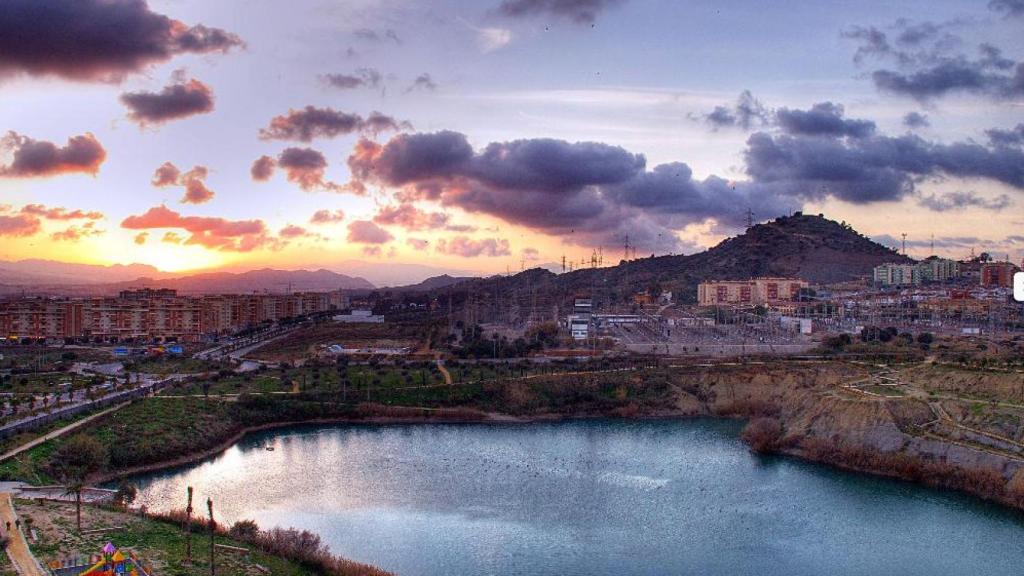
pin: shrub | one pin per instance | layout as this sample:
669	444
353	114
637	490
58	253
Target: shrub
763	435
244	530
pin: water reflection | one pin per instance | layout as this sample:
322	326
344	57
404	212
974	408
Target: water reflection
604	497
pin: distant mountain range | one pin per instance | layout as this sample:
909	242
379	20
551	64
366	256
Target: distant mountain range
810	247
45	272
59	278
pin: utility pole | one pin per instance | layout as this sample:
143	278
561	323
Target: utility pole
563	263
213	525
188	528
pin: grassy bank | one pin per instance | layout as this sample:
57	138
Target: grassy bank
158	543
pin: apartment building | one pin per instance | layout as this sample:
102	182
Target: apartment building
754	292
154	314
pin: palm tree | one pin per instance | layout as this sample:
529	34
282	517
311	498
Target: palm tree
75	488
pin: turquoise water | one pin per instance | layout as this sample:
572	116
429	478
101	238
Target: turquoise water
590	498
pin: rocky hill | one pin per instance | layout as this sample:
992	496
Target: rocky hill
814	248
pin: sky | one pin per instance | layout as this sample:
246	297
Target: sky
491	135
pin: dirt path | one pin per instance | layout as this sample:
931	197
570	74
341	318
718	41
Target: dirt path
444	372
60	432
17	549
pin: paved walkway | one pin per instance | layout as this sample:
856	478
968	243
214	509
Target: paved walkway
60	431
17	549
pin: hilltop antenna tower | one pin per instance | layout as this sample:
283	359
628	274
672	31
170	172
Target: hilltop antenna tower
563	263
750	218
625	249
933	244
904	243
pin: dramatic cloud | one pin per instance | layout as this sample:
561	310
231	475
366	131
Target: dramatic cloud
327	217
196	191
823	119
411	218
305	167
747	112
311	122
96	39
1008	8
209	232
531	254
961	200
19	225
578	11
914	120
262	169
37	158
1011	137
366	232
595	194
929	68
469	248
172	103
550	185
422	82
871	169
361	78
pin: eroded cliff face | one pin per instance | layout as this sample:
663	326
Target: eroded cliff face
919	428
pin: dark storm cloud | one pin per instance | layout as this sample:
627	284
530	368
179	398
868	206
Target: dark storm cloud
590	193
595	194
953	75
914	120
824	118
579	11
962	200
1008	8
262	168
96	39
871	169
745	113
173	102
361	78
671	190
311	122
36	158
1011	137
929	63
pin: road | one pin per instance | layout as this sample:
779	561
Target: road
17	548
60	432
